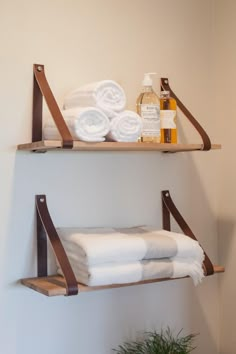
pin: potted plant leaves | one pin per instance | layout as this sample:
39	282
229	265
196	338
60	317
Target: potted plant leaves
159	343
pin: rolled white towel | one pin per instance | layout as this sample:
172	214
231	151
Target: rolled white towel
125	127
87	124
106	95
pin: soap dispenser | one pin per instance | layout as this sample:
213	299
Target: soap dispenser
148	107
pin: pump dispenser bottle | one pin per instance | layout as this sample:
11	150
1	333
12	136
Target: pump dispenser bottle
148	107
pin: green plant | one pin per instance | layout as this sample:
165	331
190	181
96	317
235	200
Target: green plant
159	343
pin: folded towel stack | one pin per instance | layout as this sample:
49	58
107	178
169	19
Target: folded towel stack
112	256
109	97
86	124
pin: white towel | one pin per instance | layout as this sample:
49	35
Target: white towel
101	245
94	246
183	267
108	274
186	246
106	95
121	273
125	127
87	124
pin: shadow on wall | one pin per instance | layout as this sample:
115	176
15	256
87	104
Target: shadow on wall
227	229
112	189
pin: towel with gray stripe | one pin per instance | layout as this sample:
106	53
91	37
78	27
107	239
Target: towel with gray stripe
102	256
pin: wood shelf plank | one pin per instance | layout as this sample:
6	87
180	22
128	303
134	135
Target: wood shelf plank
54	285
46	145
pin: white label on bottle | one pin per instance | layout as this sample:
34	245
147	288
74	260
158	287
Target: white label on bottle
150	114
168	119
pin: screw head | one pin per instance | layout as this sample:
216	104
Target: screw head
41	200
39	68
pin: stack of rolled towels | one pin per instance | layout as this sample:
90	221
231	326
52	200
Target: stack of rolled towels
96	112
102	256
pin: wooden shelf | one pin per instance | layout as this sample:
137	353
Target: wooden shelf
41	89
47	145
55	285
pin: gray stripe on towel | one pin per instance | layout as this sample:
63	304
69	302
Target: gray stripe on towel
159	246
131	230
157	268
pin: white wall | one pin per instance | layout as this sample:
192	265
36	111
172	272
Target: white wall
225	76
81	41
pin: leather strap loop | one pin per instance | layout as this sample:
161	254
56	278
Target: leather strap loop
41	88
45	222
205	138
168	207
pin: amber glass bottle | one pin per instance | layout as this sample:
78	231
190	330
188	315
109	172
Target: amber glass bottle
168	108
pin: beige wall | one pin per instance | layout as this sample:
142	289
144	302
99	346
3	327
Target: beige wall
225	77
82	41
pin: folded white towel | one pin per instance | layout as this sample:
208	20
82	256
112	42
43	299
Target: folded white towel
125	127
186	246
94	246
121	273
106	95
101	245
108	274
87	124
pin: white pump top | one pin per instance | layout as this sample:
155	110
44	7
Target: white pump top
147	81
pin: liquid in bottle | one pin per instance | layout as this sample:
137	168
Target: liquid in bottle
168	108
148	107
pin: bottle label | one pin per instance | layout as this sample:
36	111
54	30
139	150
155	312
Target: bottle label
168	118
150	114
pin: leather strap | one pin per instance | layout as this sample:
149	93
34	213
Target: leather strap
205	138
45	223
41	88
37	125
42	249
168	207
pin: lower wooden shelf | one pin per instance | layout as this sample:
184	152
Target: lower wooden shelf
47	145
55	285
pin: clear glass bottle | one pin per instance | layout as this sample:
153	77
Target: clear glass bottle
168	109
148	107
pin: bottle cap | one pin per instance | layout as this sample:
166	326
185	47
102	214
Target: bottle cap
165	93
147	81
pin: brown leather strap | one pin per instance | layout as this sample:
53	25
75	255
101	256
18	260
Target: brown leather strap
50	231
37	113
206	140
165	217
168	207
42	252
41	87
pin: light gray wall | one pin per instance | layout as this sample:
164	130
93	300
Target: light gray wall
78	42
225	113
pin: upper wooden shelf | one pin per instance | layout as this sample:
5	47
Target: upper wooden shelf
47	145
55	285
41	89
